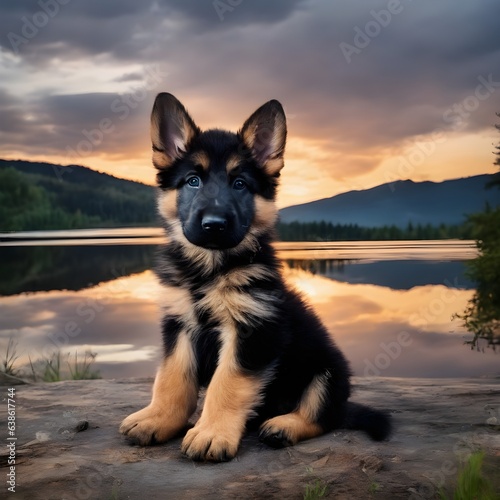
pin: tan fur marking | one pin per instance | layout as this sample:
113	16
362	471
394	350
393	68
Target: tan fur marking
167	204
231	397
249	242
249	134
301	424
278	142
184	134
243	276
175	393
228	304
313	398
274	165
207	260
161	160
232	163
201	158
175	300
265	217
154	130
295	426
187	133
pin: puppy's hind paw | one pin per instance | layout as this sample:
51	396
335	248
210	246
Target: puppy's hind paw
275	438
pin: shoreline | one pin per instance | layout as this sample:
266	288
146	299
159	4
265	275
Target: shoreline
450	249
68	445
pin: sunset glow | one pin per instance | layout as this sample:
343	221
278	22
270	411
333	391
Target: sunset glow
119	320
413	98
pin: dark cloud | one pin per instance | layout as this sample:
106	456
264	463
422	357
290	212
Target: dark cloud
76	125
211	14
401	80
130	77
12	121
122	28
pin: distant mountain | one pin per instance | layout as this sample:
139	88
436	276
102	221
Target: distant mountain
35	195
399	203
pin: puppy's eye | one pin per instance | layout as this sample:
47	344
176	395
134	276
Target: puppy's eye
194	181
239	184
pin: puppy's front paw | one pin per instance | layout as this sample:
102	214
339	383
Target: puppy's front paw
149	426
205	442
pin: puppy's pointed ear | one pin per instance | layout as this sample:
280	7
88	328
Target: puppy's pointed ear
264	133
172	129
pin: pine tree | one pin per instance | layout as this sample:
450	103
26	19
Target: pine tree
482	316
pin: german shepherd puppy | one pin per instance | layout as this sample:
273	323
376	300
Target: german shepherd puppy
230	322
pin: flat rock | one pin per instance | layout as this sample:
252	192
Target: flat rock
68	446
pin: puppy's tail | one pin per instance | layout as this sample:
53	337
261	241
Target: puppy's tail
376	423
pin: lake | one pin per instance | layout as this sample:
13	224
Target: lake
389	305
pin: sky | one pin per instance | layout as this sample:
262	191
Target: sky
373	91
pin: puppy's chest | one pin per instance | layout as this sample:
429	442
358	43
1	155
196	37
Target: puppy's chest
227	300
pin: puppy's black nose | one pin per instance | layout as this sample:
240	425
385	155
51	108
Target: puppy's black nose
214	223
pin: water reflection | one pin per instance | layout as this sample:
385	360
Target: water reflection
36	268
391	318
117	319
369	321
395	274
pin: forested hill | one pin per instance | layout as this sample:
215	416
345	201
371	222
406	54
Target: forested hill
400	203
36	196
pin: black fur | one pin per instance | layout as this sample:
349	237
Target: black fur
221	211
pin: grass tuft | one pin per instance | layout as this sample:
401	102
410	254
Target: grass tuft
315	490
374	487
82	370
51	368
471	483
10	358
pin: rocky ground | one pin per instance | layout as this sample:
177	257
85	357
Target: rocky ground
68	446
